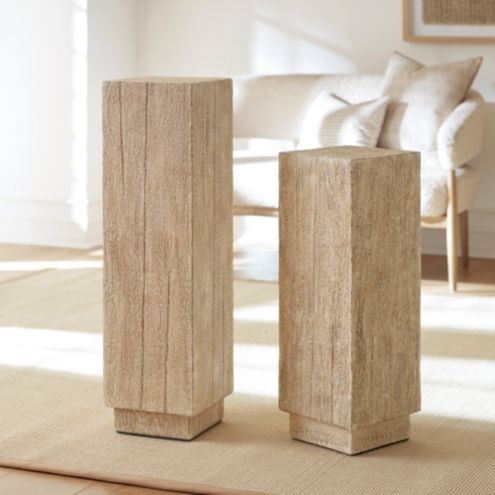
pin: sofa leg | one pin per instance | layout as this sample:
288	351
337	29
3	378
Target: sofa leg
463	217
452	233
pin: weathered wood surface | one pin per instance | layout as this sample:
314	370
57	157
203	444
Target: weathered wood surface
168	425
168	244
349	292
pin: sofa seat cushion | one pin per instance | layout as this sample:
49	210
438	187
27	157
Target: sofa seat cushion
434	191
255	179
256	185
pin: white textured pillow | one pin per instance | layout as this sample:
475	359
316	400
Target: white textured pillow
421	98
331	121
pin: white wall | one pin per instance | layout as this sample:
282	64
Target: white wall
228	38
56	53
111	55
50	165
35	109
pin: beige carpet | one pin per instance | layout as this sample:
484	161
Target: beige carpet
52	415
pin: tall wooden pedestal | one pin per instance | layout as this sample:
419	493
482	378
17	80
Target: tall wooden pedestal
168	253
349	295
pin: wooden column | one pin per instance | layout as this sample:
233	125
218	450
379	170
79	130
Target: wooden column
168	253
349	295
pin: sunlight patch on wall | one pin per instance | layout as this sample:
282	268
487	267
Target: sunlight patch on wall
278	48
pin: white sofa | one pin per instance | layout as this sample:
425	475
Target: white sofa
272	108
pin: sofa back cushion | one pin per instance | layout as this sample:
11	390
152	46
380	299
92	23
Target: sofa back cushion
420	100
274	106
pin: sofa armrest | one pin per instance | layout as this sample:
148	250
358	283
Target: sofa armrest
460	136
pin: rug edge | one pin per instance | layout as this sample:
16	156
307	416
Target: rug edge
130	480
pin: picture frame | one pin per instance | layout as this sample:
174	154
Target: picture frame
445	24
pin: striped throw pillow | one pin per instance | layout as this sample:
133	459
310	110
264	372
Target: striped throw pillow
331	121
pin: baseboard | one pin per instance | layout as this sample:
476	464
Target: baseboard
50	223
481	235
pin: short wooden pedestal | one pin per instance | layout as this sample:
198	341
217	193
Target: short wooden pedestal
349	295
168	253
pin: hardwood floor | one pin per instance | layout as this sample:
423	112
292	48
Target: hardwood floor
476	280
17	482
25	261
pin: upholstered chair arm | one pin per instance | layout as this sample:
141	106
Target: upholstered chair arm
460	136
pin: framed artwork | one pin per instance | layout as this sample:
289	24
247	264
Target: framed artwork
449	21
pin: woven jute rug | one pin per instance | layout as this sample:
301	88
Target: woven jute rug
52	416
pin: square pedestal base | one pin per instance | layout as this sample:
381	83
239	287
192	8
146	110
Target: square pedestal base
167	425
349	441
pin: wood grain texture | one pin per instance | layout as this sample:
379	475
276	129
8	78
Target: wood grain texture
168	244
464	221
452	232
349	285
4	471
20	482
168	425
352	441
28	483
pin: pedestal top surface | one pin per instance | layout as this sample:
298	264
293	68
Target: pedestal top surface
348	152
169	80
